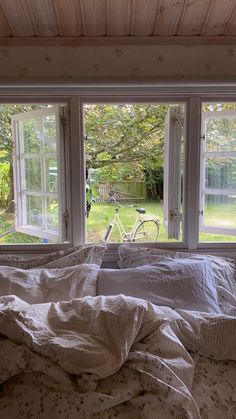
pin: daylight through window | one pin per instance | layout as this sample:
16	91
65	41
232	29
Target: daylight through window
135	172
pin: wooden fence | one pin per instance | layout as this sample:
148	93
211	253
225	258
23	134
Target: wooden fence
122	191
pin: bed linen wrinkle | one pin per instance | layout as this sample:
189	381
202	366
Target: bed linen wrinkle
125	358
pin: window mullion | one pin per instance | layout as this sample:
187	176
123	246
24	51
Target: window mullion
78	201
193	171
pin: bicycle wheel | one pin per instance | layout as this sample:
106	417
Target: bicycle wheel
147	231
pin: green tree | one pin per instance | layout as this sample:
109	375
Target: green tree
6	145
6	142
121	139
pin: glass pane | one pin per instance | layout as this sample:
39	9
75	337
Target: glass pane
125	169
29	198
220	211
51	177
220	173
32	136
221	133
52	214
32	170
34	214
49	133
218	193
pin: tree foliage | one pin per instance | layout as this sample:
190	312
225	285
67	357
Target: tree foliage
6	146
124	139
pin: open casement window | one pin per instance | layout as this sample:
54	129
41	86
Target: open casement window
38	139
218	172
172	171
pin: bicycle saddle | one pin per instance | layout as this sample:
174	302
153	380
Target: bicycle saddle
141	210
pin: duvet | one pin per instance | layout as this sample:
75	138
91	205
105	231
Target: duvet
115	357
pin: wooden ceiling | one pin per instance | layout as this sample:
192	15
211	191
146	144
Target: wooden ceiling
121	20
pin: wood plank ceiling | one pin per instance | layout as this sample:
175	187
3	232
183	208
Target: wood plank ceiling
80	19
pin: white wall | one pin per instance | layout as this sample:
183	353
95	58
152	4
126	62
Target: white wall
119	62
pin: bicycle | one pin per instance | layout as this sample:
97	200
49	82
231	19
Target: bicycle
145	228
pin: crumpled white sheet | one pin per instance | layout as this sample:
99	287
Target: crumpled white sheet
104	357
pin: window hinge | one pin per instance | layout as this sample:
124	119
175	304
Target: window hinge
203	137
201	212
66	217
175	215
85	138
64	120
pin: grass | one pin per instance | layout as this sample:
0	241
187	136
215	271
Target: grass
102	213
221	215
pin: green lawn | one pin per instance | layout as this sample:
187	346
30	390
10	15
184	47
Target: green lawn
102	213
219	215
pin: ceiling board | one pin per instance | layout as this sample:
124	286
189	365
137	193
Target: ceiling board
169	17
144	17
44	17
94	17
194	15
230	28
108	19
4	27
119	17
68	17
17	15
219	14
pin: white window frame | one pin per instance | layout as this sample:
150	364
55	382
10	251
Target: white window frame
174	129
203	190
193	94
129	99
20	193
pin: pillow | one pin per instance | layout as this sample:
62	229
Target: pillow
69	257
179	284
133	256
42	285
224	269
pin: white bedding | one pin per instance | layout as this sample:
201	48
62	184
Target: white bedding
224	269
180	283
44	285
114	357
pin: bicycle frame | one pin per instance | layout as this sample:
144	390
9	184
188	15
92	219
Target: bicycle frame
126	237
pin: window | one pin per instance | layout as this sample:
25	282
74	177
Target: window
173	170
218	173
35	135
66	159
134	159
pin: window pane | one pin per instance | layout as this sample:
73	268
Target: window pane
31	204
218	173
32	171
220	211
32	136
135	155
221	133
49	133
34	214
52	214
51	175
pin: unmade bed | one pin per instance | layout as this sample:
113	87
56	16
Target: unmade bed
78	341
